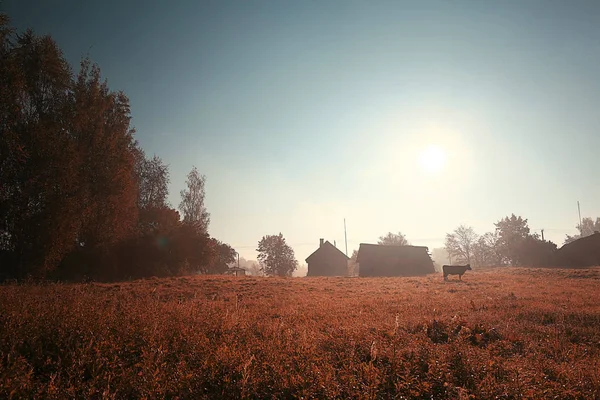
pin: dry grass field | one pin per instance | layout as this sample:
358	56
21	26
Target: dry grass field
506	333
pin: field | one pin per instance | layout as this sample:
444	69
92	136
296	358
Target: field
504	333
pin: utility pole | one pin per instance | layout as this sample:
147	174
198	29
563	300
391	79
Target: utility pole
579	210
345	237
543	235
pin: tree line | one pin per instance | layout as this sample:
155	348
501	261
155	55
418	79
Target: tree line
511	243
78	195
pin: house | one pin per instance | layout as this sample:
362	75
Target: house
327	260
381	260
236	271
583	252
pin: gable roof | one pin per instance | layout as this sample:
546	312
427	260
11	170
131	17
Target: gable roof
326	247
584	251
374	252
590	239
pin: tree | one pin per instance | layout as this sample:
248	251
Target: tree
587	228
393	239
485	250
353	264
192	202
101	125
224	256
153	181
512	231
459	244
40	202
157	220
275	256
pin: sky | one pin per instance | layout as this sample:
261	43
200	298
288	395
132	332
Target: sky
411	116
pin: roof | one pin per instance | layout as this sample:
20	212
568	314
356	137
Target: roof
368	252
236	269
328	247
386	260
584	251
593	238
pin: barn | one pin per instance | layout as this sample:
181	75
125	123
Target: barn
327	260
381	260
584	252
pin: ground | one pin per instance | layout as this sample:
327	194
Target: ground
503	333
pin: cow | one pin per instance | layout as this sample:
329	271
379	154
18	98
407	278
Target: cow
455	270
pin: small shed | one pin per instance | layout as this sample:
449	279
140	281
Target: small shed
583	252
327	260
236	271
385	260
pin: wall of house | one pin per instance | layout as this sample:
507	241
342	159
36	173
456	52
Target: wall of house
395	268
328	266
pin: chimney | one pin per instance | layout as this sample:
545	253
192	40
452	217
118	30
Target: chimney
321	242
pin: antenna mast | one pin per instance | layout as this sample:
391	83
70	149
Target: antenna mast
345	237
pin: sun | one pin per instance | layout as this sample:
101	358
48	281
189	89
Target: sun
432	159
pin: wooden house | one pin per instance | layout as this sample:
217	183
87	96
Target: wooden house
583	252
327	260
383	260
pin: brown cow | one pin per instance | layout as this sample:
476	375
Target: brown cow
455	270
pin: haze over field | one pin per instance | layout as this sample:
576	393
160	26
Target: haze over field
411	116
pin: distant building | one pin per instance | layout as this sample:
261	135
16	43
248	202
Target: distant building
235	271
584	252
327	260
381	260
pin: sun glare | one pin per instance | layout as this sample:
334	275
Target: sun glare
432	159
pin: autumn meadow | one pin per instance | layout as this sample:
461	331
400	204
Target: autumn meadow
500	333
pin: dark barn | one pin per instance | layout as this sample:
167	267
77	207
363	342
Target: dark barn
584	252
379	260
327	260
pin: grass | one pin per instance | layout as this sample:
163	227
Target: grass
504	333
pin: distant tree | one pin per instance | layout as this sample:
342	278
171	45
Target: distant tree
353	264
252	267
225	255
587	228
393	239
192	202
459	244
485	250
301	271
512	231
275	256
440	257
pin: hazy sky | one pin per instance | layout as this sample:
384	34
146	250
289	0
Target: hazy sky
301	113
